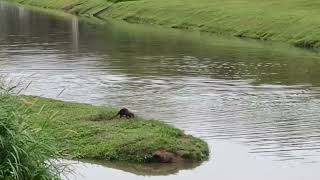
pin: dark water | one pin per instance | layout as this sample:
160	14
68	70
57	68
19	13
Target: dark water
256	104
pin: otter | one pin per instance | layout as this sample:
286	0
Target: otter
124	112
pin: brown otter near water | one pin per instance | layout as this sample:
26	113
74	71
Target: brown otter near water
124	112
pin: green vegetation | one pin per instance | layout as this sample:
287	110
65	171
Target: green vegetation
291	21
21	156
84	131
35	131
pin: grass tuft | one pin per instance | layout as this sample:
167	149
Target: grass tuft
22	157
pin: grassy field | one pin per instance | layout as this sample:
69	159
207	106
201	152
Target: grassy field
291	21
84	131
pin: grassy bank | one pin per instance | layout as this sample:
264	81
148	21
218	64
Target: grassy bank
22	156
291	21
84	131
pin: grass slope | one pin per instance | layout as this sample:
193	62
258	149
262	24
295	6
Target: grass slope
82	131
292	21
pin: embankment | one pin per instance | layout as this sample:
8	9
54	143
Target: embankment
291	21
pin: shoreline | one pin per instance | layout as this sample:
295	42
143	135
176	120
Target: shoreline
84	131
266	21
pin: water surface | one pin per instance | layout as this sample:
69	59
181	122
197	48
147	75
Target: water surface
256	104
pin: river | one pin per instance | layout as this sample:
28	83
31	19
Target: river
255	103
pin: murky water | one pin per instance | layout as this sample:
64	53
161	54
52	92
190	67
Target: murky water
256	104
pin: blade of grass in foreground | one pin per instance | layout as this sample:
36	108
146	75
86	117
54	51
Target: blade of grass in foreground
21	156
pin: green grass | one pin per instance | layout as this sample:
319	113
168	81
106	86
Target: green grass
84	131
291	21
35	131
22	157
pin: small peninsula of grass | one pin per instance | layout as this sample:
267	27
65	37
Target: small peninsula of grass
84	131
290	21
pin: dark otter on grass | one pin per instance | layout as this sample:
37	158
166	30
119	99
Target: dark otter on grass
124	112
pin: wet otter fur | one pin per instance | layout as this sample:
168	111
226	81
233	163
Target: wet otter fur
124	112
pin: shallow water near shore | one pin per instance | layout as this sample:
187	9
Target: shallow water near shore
256	104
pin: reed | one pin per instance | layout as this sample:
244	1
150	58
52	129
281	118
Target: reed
22	157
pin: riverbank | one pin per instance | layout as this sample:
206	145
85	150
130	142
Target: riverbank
295	21
83	131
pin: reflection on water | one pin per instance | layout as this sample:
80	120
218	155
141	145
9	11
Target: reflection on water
238	164
256	104
150	169
72	168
